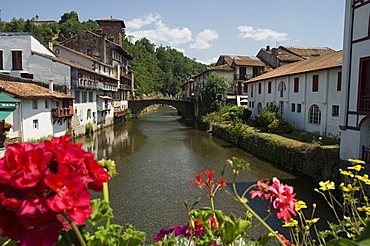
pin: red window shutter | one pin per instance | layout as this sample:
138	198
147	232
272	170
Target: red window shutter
1	60
269	87
17	60
339	81
296	84
315	83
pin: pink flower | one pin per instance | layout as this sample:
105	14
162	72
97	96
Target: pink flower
282	198
262	190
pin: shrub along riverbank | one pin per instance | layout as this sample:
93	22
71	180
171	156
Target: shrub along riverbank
311	160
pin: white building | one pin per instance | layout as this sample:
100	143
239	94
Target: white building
308	93
355	115
41	112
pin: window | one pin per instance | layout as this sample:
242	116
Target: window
315	83
84	97
91	99
282	88
35	124
315	115
88	114
16	60
259	107
364	75
269	87
281	108
299	108
46	103
252	104
293	107
335	111
1	60
34	104
259	88
77	97
296	85
339	81
245	88
251	90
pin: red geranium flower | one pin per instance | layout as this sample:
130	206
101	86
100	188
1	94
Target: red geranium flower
207	183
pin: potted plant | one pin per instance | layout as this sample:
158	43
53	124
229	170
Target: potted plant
7	126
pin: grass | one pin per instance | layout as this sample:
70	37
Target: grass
308	137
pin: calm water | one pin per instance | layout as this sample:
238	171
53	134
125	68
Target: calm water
157	158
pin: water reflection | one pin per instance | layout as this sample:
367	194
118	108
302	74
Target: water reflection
157	159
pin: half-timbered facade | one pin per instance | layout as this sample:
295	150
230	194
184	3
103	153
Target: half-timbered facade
355	120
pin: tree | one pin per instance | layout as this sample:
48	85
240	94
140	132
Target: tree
214	93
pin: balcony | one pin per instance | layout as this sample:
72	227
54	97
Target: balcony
365	102
104	103
62	112
243	76
84	83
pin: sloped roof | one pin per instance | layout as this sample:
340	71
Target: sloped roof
224	67
309	52
224	58
30	90
248	61
72	64
331	60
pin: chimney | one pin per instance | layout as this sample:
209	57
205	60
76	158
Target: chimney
51	86
268	48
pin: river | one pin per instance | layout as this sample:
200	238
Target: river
157	158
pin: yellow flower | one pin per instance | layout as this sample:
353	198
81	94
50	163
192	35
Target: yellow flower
356	161
272	234
327	185
300	205
357	168
313	221
346	173
290	223
364	178
348	188
364	209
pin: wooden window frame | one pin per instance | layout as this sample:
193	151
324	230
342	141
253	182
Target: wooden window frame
269	87
315	83
17	60
296	85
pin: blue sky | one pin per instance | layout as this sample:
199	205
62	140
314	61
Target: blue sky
205	29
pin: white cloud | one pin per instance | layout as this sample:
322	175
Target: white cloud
138	23
210	61
261	34
159	32
204	38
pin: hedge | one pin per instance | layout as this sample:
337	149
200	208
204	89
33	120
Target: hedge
314	161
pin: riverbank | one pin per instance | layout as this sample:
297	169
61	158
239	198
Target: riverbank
310	160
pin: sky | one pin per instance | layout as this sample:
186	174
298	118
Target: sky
206	29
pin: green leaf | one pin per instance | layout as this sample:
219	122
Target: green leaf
365	234
342	242
263	240
100	211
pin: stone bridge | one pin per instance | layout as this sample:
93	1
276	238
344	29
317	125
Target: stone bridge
184	108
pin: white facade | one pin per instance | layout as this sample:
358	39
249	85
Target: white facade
42	69
355	114
33	120
297	102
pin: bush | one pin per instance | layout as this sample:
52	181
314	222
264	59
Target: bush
280	126
89	129
265	118
239	112
128	116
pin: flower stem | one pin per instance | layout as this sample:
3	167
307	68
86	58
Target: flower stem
75	230
212	204
106	198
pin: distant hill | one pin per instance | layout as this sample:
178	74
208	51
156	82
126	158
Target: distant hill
157	69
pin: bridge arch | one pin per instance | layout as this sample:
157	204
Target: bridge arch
185	108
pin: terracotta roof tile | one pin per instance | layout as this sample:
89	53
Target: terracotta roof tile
330	60
309	52
29	90
248	61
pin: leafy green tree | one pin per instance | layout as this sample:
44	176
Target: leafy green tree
214	93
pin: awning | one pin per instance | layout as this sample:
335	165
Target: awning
7	105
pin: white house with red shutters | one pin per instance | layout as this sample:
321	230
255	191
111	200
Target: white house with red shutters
355	113
308	93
